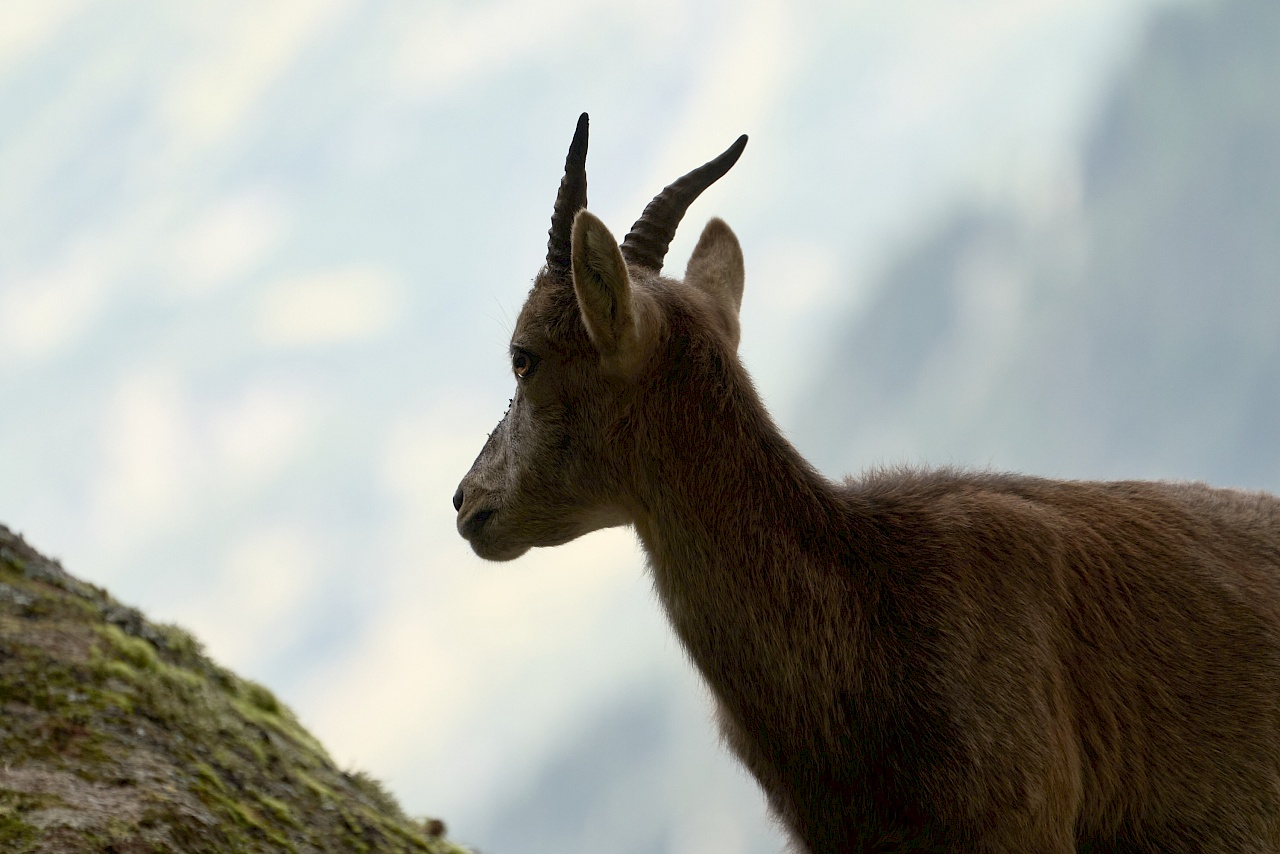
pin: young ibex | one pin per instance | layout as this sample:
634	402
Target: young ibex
913	661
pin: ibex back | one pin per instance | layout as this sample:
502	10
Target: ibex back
912	661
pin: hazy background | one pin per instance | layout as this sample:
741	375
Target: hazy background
259	260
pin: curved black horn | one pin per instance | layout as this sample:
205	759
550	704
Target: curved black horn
571	199
647	242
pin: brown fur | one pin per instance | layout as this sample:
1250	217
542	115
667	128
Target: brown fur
911	661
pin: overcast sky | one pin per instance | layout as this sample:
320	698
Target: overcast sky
258	262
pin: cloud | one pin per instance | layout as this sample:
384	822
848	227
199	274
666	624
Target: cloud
147	445
449	44
44	313
259	596
162	458
26	24
226	241
328	307
454	43
254	437
240	50
742	76
792	286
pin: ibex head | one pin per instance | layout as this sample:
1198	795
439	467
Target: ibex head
588	352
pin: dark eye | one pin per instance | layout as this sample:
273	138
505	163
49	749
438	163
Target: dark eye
521	363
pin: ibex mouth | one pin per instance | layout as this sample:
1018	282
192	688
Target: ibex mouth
469	526
487	542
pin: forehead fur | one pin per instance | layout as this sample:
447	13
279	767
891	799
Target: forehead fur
551	311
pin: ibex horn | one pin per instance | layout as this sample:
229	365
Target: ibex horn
647	242
571	199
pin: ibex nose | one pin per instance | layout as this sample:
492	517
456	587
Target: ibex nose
457	499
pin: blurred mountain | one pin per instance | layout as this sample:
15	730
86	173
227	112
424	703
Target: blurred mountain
1128	328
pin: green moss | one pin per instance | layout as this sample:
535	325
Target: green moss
17	836
261	698
317	789
136	652
181	646
279	809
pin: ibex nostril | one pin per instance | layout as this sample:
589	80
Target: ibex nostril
457	499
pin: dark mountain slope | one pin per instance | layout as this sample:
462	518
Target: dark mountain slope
1136	334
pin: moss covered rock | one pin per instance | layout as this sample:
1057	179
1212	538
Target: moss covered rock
120	735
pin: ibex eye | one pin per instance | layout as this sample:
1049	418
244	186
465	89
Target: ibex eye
521	363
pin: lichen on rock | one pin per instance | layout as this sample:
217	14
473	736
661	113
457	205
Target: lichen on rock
120	735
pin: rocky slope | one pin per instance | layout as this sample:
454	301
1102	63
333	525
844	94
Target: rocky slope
120	735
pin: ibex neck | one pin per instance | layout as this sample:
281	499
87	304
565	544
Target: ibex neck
745	542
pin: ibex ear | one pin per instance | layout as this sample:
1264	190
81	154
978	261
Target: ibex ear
603	288
716	269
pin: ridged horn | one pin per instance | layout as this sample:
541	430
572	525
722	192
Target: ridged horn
647	242
571	199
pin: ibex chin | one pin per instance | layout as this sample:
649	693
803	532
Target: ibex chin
913	660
